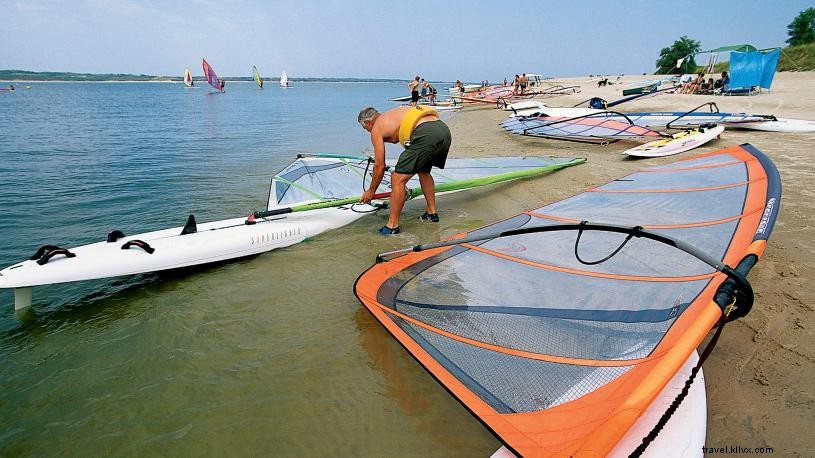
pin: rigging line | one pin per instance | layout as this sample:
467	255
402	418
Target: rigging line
636	230
353	167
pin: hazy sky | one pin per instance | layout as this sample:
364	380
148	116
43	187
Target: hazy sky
442	40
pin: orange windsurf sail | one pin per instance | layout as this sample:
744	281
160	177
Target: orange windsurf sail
558	340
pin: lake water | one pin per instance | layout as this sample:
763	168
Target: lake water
270	355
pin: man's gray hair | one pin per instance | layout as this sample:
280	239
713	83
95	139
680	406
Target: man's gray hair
367	114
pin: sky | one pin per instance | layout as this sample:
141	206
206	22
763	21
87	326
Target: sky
439	40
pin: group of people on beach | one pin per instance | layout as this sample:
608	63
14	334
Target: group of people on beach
701	86
419	88
520	84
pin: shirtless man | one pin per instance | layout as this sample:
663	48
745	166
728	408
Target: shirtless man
414	91
428	147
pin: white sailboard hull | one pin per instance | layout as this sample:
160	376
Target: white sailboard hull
525	105
213	242
779	125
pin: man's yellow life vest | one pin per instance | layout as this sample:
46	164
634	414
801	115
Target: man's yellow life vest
410	120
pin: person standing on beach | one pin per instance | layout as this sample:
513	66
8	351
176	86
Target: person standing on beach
516	85
523	82
427	147
431	91
414	91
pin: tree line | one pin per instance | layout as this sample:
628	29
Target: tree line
801	33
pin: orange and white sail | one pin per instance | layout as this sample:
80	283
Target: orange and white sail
556	329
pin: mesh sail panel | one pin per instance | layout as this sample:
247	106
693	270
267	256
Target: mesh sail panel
323	177
315	178
495	376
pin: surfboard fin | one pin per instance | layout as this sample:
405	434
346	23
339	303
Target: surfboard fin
190	227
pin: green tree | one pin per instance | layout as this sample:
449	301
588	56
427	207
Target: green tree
802	28
683	47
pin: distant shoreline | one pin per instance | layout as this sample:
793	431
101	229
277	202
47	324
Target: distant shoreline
276	82
24	76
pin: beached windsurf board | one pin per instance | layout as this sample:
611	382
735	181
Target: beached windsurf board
779	125
680	142
310	196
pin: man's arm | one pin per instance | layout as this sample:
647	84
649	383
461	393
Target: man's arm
379	165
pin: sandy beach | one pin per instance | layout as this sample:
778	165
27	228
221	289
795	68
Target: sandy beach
759	377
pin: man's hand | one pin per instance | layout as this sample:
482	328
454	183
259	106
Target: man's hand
367	196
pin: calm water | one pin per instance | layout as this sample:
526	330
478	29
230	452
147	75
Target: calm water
270	355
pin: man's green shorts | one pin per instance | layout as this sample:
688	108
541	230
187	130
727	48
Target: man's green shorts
428	148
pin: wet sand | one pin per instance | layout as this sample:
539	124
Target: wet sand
759	378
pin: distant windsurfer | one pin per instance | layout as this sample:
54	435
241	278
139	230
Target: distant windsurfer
414	91
223	83
428	146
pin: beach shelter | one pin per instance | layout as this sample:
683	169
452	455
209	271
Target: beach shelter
715	53
753	68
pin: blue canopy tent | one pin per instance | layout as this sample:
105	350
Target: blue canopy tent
752	69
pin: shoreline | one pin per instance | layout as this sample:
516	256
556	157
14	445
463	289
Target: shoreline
197	81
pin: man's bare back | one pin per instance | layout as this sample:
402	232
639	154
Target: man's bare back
387	124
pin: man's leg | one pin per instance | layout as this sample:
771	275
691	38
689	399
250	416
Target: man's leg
397	201
429	191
